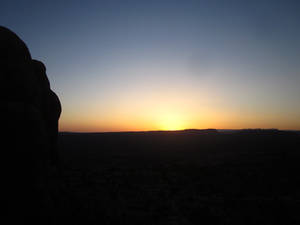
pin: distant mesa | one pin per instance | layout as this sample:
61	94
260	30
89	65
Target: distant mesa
259	131
202	131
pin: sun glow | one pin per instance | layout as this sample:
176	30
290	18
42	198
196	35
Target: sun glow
172	121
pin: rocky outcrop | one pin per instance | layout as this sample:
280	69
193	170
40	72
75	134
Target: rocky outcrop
29	115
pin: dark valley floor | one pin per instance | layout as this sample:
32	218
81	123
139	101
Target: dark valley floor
186	177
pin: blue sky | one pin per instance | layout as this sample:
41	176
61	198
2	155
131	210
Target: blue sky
223	64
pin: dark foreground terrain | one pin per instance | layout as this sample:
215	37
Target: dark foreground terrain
185	177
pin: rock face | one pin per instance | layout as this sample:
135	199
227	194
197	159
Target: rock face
29	114
49	106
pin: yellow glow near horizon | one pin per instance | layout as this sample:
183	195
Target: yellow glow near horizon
160	109
171	121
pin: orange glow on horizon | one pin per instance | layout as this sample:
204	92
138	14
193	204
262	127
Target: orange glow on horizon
170	110
172	121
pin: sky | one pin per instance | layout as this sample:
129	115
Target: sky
168	64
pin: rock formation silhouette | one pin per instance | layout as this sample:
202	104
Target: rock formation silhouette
30	111
49	106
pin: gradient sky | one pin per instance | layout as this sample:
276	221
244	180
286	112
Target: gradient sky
153	65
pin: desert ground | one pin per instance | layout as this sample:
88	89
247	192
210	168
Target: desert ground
181	177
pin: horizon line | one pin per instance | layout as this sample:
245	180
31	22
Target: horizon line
192	129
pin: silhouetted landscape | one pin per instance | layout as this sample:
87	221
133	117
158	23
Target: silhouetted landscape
182	177
161	66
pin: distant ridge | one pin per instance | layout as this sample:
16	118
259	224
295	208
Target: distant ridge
191	131
262	131
195	131
202	131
